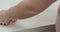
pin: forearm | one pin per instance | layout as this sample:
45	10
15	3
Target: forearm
29	8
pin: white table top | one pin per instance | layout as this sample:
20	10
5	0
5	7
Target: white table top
47	17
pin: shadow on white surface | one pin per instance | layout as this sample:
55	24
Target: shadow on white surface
49	28
11	28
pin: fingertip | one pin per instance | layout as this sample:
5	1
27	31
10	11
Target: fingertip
12	21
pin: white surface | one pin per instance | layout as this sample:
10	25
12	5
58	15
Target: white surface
47	17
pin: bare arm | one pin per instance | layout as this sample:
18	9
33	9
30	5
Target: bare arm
28	8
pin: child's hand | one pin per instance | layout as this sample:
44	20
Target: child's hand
5	20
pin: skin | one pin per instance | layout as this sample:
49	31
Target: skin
58	21
25	9
29	8
4	20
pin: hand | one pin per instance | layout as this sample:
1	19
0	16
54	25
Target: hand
5	20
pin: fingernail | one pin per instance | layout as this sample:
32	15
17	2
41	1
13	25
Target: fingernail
4	24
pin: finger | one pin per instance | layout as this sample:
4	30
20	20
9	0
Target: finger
5	22
12	21
0	23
